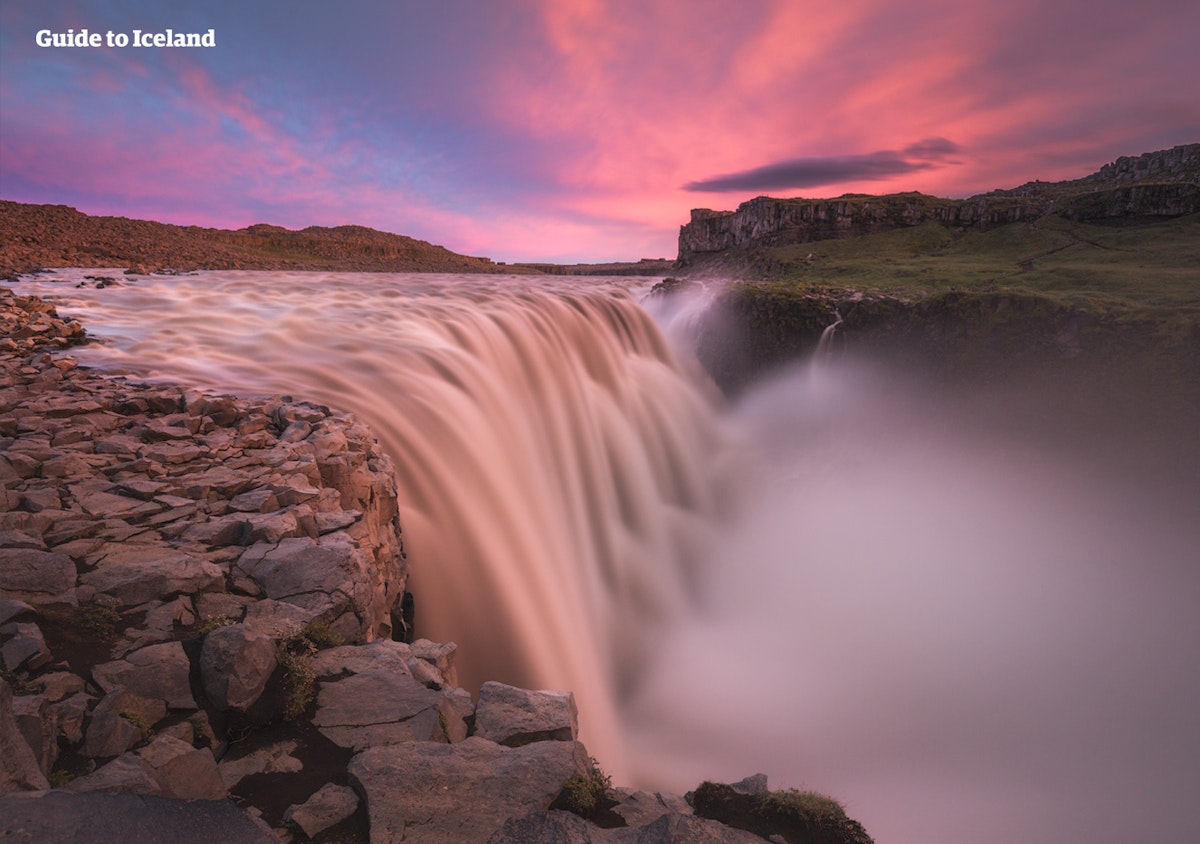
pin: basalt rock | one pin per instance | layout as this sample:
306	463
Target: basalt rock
1156	185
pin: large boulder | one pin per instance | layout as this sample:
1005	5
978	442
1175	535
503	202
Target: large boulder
157	672
136	574
425	793
381	706
235	664
43	577
330	805
330	576
19	769
511	716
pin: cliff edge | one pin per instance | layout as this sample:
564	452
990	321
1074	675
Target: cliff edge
1157	185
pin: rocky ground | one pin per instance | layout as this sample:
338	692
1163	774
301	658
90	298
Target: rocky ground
35	236
203	636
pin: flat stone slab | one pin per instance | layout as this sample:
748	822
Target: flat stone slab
424	793
104	818
135	575
512	716
27	574
378	706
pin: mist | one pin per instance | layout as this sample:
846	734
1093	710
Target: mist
943	617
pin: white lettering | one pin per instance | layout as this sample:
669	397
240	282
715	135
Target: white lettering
70	38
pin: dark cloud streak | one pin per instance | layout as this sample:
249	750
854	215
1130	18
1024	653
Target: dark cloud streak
812	172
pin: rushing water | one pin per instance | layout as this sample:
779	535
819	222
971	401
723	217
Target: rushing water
838	581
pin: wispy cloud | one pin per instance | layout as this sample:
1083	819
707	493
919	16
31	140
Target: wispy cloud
831	170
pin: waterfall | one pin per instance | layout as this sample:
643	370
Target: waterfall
853	582
824	352
559	476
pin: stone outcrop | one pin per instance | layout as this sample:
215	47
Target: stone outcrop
1155	185
428	793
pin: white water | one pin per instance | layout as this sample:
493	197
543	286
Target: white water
961	635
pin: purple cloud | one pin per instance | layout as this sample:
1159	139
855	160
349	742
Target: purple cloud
812	172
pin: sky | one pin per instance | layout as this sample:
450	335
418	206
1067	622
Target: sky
574	130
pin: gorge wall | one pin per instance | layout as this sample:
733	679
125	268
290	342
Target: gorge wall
1155	185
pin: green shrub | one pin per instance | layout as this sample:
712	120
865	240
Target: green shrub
585	794
98	620
809	808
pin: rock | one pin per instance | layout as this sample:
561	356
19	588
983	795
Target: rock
557	827
26	647
19	769
60	685
42	577
379	707
513	717
330	805
330	576
427	793
440	656
14	610
69	714
166	767
754	785
157	671
639	808
278	619
126	773
134	575
269	760
214	606
166	616
182	770
235	664
37	722
102	818
382	654
121	719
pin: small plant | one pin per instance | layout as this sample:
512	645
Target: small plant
584	794
98	619
20	681
138	721
59	778
321	635
815	809
213	622
295	658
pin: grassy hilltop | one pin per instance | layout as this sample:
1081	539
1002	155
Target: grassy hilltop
1155	263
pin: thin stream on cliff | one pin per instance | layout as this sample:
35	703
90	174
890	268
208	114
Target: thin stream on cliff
836	580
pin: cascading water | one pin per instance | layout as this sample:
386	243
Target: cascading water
843	581
559	479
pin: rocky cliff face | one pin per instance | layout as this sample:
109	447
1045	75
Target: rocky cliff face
1154	185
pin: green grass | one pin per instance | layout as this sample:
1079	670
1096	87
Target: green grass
1152	264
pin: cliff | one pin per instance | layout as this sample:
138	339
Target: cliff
1156	185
